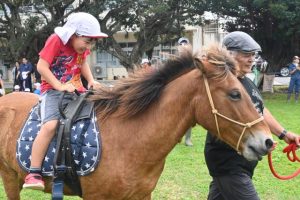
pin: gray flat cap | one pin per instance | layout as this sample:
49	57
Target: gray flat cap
240	41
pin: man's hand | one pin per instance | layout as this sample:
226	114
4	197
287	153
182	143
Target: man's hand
292	137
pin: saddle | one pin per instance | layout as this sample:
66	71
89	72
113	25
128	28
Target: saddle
75	150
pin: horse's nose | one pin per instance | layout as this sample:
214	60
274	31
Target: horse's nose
269	143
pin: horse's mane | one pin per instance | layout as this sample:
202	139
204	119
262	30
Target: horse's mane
135	93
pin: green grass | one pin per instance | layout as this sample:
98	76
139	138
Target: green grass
186	177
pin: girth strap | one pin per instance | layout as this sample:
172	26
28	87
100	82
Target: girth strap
64	166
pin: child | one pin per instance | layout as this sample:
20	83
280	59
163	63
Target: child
62	61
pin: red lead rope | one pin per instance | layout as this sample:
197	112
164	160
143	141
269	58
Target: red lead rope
290	150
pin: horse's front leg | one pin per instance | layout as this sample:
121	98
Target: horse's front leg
11	183
147	197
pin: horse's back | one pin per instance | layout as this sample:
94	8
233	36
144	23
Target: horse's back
19	100
14	110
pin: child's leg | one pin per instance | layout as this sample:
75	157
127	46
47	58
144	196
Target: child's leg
49	117
41	143
39	148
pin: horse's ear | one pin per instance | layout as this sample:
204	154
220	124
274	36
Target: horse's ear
202	64
198	63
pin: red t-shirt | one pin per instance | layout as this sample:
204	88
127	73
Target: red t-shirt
65	63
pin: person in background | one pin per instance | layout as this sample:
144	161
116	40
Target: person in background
25	75
231	172
294	85
146	65
16	74
37	75
61	63
188	140
2	88
183	41
16	88
188	134
37	88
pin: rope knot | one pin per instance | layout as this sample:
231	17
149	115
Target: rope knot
214	111
248	125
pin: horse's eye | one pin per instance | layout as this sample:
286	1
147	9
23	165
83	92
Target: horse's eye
235	95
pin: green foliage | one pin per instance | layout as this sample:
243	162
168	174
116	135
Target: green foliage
274	24
27	24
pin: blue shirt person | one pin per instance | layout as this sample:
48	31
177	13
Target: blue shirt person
25	75
295	79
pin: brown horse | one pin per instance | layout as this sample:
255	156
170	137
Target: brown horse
142	119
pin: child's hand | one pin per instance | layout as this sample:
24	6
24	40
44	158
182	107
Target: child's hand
94	84
69	87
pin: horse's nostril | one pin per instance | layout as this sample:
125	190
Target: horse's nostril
269	143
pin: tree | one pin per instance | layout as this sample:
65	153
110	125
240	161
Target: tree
275	24
25	26
153	22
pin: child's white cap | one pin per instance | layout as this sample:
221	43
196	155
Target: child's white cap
83	24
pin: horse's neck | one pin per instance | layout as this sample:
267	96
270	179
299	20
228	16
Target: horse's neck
157	130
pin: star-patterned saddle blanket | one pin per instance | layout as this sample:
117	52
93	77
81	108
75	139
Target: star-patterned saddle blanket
85	142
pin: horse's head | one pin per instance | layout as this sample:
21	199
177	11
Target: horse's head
231	115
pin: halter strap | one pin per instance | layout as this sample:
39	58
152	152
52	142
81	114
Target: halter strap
216	114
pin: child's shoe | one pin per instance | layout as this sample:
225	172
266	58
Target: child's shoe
34	181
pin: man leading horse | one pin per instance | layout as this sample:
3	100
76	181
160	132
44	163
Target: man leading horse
231	171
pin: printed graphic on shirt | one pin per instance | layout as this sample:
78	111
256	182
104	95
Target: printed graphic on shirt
58	68
67	70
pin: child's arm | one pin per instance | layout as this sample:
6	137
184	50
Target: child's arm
87	74
43	68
